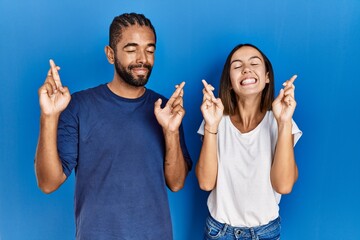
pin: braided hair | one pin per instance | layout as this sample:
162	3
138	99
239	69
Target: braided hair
123	21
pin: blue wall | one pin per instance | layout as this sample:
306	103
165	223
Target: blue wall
318	40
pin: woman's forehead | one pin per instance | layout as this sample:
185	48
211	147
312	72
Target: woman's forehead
246	53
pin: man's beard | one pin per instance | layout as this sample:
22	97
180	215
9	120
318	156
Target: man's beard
128	77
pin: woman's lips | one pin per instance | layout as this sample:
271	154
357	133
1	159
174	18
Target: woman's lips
248	81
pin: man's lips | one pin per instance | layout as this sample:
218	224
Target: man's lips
140	71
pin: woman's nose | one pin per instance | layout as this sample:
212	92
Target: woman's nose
246	69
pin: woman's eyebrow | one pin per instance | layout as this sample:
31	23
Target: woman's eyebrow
255	57
238	60
235	60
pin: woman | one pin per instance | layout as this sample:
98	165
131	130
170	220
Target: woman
247	158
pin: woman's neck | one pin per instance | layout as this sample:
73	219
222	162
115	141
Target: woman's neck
248	115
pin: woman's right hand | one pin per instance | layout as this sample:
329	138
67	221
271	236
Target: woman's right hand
53	97
211	108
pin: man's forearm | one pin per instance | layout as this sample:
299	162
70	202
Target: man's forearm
48	167
176	167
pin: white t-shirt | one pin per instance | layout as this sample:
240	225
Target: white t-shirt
243	196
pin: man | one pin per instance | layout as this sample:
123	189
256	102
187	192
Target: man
124	145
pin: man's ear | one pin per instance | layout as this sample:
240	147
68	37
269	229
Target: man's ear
110	55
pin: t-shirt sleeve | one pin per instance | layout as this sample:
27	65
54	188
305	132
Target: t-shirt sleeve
201	129
296	132
67	138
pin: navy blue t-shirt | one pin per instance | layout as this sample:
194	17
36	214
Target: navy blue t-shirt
117	149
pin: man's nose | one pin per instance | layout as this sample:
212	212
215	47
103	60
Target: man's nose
141	57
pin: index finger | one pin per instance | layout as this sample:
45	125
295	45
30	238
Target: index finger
55	74
209	88
177	93
178	90
207	85
290	81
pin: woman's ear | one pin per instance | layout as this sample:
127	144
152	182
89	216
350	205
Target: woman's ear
267	79
110	55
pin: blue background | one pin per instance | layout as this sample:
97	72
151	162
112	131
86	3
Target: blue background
318	40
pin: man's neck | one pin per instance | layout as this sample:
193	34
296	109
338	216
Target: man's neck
123	89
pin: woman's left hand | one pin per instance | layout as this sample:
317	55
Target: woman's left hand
284	105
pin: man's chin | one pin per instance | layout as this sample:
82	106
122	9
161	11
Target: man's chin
139	82
141	79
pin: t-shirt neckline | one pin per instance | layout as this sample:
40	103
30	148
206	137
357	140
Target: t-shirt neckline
117	97
250	132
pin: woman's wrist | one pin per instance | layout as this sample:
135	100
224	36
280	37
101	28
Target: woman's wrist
211	129
211	132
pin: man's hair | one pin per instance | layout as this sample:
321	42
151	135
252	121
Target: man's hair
123	21
228	96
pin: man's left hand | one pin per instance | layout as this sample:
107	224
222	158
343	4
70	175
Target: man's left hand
171	115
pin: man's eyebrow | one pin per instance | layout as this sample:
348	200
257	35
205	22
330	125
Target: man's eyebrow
135	45
152	45
131	45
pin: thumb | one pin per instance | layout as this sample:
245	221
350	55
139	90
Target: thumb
219	103
64	90
157	105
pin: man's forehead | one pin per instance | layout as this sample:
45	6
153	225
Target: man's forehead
139	33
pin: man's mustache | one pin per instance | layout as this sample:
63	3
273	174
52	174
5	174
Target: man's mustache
148	66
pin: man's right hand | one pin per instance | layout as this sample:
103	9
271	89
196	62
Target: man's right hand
53	97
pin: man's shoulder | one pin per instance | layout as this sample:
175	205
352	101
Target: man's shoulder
155	94
89	91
